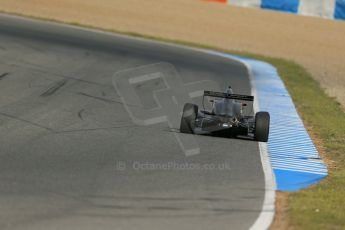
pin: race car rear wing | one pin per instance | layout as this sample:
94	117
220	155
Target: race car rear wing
229	96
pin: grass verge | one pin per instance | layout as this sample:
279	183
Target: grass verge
321	206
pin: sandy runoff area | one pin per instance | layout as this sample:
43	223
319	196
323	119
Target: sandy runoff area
317	44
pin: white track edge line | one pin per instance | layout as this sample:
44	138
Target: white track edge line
266	216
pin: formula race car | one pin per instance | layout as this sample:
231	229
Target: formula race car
229	115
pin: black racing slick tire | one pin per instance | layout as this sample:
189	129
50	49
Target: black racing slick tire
262	126
189	115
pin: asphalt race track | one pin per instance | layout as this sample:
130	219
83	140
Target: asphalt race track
72	156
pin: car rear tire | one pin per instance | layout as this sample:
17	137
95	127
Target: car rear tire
262	126
189	115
